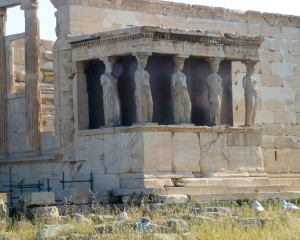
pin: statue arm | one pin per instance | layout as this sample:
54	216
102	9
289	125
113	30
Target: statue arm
244	82
103	80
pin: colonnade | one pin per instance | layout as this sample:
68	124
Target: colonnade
180	96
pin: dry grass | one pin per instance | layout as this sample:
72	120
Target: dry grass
285	225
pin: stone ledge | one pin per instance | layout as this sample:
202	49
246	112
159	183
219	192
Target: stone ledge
170	128
31	160
188	11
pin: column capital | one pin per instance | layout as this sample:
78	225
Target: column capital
214	60
110	59
29	4
250	65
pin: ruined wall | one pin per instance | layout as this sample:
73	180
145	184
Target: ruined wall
278	72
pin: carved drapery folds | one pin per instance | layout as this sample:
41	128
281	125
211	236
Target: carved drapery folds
142	94
111	100
3	90
32	69
181	99
250	87
215	90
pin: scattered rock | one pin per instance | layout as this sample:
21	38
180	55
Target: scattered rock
84	237
74	195
44	211
178	225
223	210
122	216
81	218
172	199
50	231
161	236
36	199
3	209
100	218
255	221
104	229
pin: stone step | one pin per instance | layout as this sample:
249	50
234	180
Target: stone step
208	190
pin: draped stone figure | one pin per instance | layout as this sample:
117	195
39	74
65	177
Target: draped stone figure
142	94
215	90
111	100
181	99
250	86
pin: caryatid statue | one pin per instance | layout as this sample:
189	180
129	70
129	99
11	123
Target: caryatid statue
215	91
111	100
250	86
181	99
142	94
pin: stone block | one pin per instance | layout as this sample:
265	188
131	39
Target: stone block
147	19
244	157
152	152
105	182
292	130
44	212
163	175
264	117
271	80
267	143
244	139
93	150
191	182
172	199
249	29
31	199
238	67
201	24
282	117
291	58
142	183
275	160
272	32
274	105
271	56
279	92
291	33
174	22
274	129
263	68
293	81
3	196
285	142
74	195
214	152
117	152
282	69
3	209
186	152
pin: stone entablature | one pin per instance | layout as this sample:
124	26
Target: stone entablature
165	41
188	11
172	128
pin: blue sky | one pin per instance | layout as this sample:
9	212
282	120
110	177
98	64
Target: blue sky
16	23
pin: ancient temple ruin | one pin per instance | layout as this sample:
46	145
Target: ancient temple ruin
154	97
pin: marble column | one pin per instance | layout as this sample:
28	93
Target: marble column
142	94
250	87
32	69
181	99
215	91
3	90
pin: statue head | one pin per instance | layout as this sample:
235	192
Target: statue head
179	63
250	65
215	68
109	64
142	60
